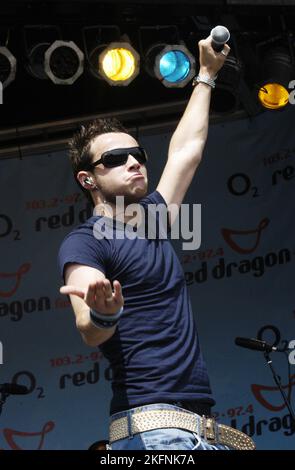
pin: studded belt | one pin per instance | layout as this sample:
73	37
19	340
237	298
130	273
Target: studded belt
206	428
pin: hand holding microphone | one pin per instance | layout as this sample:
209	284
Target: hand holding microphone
213	52
219	37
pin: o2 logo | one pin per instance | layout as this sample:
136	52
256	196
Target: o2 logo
292	353
264	335
27	378
284	344
240	184
7	228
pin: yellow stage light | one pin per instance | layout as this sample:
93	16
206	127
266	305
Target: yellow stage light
277	71
273	96
119	64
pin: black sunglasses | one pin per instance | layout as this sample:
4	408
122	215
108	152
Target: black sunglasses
118	157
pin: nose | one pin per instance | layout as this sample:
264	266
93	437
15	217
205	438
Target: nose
132	163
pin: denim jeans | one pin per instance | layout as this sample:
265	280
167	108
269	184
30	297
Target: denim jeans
162	439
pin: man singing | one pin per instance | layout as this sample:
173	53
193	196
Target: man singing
129	294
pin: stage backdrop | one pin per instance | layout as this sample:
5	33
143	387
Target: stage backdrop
241	283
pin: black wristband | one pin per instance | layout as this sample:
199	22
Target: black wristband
105	321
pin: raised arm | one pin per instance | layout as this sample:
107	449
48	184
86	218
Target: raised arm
88	288
188	141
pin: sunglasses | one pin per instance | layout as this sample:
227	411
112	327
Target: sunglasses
118	157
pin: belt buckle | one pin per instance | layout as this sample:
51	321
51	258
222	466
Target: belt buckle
209	429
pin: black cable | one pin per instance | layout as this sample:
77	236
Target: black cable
289	376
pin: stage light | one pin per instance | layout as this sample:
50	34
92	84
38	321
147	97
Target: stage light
225	97
273	96
7	66
173	64
110	55
35	65
277	72
37	39
63	62
118	63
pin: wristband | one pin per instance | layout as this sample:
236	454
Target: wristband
204	79
105	321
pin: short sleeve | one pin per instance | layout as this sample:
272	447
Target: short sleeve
82	248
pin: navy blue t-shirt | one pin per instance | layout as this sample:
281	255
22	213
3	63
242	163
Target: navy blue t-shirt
154	353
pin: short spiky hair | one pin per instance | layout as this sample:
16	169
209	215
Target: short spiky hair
80	143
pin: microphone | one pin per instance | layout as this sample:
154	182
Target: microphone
13	389
220	35
256	344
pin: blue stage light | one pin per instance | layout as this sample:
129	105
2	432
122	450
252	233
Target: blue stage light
174	66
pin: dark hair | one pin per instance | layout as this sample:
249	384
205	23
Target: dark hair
79	145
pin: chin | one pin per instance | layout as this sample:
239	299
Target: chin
136	195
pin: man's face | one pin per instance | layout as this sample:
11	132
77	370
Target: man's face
129	180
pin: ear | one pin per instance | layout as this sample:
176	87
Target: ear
85	179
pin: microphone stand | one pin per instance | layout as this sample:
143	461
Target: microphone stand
278	382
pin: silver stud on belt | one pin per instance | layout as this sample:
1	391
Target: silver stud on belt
147	420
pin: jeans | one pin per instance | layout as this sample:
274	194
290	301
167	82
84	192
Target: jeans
162	439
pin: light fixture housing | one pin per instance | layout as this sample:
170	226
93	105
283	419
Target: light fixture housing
172	64
63	62
225	97
35	65
277	72
7	67
118	63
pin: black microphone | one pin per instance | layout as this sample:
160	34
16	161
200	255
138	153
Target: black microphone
13	389
256	344
220	35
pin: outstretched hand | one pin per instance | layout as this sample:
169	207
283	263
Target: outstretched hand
99	295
